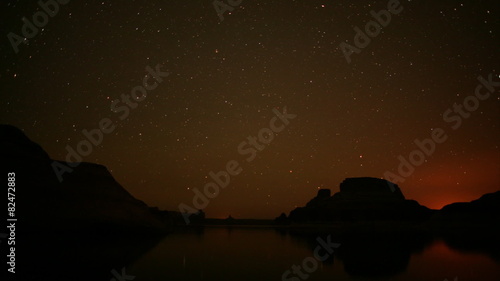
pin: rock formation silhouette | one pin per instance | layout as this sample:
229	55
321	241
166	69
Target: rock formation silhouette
87	225
471	226
484	209
361	199
88	197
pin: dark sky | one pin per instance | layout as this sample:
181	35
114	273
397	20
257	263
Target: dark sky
226	77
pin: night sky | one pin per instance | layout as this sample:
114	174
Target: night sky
226	77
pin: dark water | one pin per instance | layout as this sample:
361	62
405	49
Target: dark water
265	254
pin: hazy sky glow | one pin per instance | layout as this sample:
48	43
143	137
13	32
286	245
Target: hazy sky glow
353	119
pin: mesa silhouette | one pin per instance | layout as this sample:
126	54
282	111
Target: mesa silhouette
361	199
373	199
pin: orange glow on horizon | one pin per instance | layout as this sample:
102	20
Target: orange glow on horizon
442	182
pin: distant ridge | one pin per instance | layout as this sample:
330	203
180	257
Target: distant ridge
89	197
485	209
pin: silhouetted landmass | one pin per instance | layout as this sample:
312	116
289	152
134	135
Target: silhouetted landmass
282	219
483	210
361	199
379	229
88	196
472	226
79	229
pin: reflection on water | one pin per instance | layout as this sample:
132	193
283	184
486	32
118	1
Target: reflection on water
265	254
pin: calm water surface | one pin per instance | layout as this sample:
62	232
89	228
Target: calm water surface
265	254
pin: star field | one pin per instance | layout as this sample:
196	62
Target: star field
226	77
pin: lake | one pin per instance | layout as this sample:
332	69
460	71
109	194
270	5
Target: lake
220	253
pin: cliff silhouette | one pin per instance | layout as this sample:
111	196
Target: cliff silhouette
87	225
361	199
379	229
470	226
485	209
368	199
88	198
